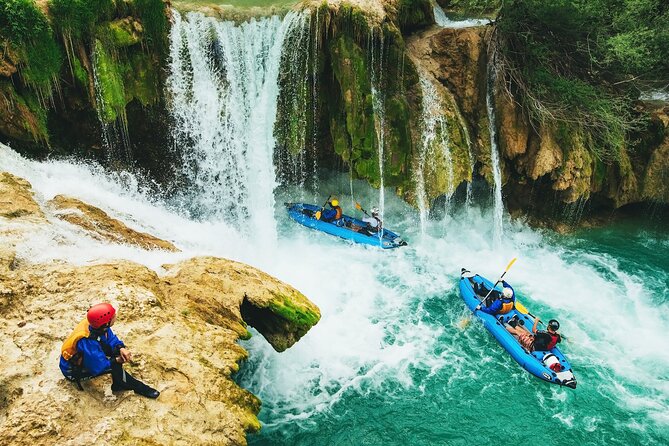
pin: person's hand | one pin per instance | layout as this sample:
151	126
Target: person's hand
478	307
125	355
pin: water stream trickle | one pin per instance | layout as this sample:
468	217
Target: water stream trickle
498	204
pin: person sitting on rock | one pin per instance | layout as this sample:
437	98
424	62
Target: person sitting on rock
329	215
499	303
92	349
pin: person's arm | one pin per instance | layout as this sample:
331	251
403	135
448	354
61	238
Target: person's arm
493	308
94	359
118	346
534	327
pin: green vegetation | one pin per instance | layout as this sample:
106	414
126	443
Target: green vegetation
154	20
76	19
27	30
471	7
582	63
110	84
300	316
413	14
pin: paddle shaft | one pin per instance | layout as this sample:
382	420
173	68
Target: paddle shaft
508	267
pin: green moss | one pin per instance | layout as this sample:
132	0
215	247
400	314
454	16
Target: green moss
140	79
122	34
355	99
24	26
80	73
300	316
154	20
414	14
77	18
111	92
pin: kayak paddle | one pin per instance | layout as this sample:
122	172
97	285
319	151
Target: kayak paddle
358	207
508	267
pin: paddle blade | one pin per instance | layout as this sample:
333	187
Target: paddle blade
508	267
357	206
520	307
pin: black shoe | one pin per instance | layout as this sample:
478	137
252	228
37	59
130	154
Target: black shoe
513	321
119	388
147	391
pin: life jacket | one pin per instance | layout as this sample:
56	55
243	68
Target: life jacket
507	305
339	213
544	340
69	348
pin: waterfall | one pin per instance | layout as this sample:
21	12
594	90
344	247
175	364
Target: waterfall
378	105
294	155
435	149
223	88
498	204
439	16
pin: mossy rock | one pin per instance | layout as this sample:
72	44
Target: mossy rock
111	91
124	32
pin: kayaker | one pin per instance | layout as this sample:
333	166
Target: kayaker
537	340
497	303
92	349
332	214
374	223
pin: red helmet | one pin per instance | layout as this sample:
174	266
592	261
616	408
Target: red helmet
100	314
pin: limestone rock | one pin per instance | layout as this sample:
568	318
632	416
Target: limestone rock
16	198
102	226
182	326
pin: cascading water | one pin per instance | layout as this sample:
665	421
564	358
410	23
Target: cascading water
113	123
223	87
393	359
435	148
295	155
376	68
498	204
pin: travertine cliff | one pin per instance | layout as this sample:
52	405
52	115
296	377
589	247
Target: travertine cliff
182	323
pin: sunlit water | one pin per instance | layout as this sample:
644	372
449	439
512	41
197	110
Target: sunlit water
393	359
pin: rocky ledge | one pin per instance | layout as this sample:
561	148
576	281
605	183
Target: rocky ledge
182	323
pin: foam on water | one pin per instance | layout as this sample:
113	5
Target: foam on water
395	316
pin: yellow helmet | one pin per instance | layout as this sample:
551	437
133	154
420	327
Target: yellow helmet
334	202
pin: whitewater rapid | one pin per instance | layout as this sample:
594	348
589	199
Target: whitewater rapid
378	322
394	329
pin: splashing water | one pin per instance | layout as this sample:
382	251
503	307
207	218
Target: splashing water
223	88
435	148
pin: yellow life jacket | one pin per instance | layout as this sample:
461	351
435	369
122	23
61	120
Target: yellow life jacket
506	307
69	348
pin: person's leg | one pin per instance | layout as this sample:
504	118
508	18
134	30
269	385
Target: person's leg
122	380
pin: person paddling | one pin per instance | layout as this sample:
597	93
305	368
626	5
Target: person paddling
92	350
329	215
497	303
538	340
374	223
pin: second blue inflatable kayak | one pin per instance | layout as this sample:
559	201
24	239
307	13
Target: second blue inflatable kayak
536	362
344	227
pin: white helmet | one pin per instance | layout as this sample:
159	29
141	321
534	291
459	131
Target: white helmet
507	292
375	211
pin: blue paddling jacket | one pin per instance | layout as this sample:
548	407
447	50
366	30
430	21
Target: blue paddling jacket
93	348
501	305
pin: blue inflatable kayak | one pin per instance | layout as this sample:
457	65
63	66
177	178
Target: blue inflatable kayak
344	227
535	362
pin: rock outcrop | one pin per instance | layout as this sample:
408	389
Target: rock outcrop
182	324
